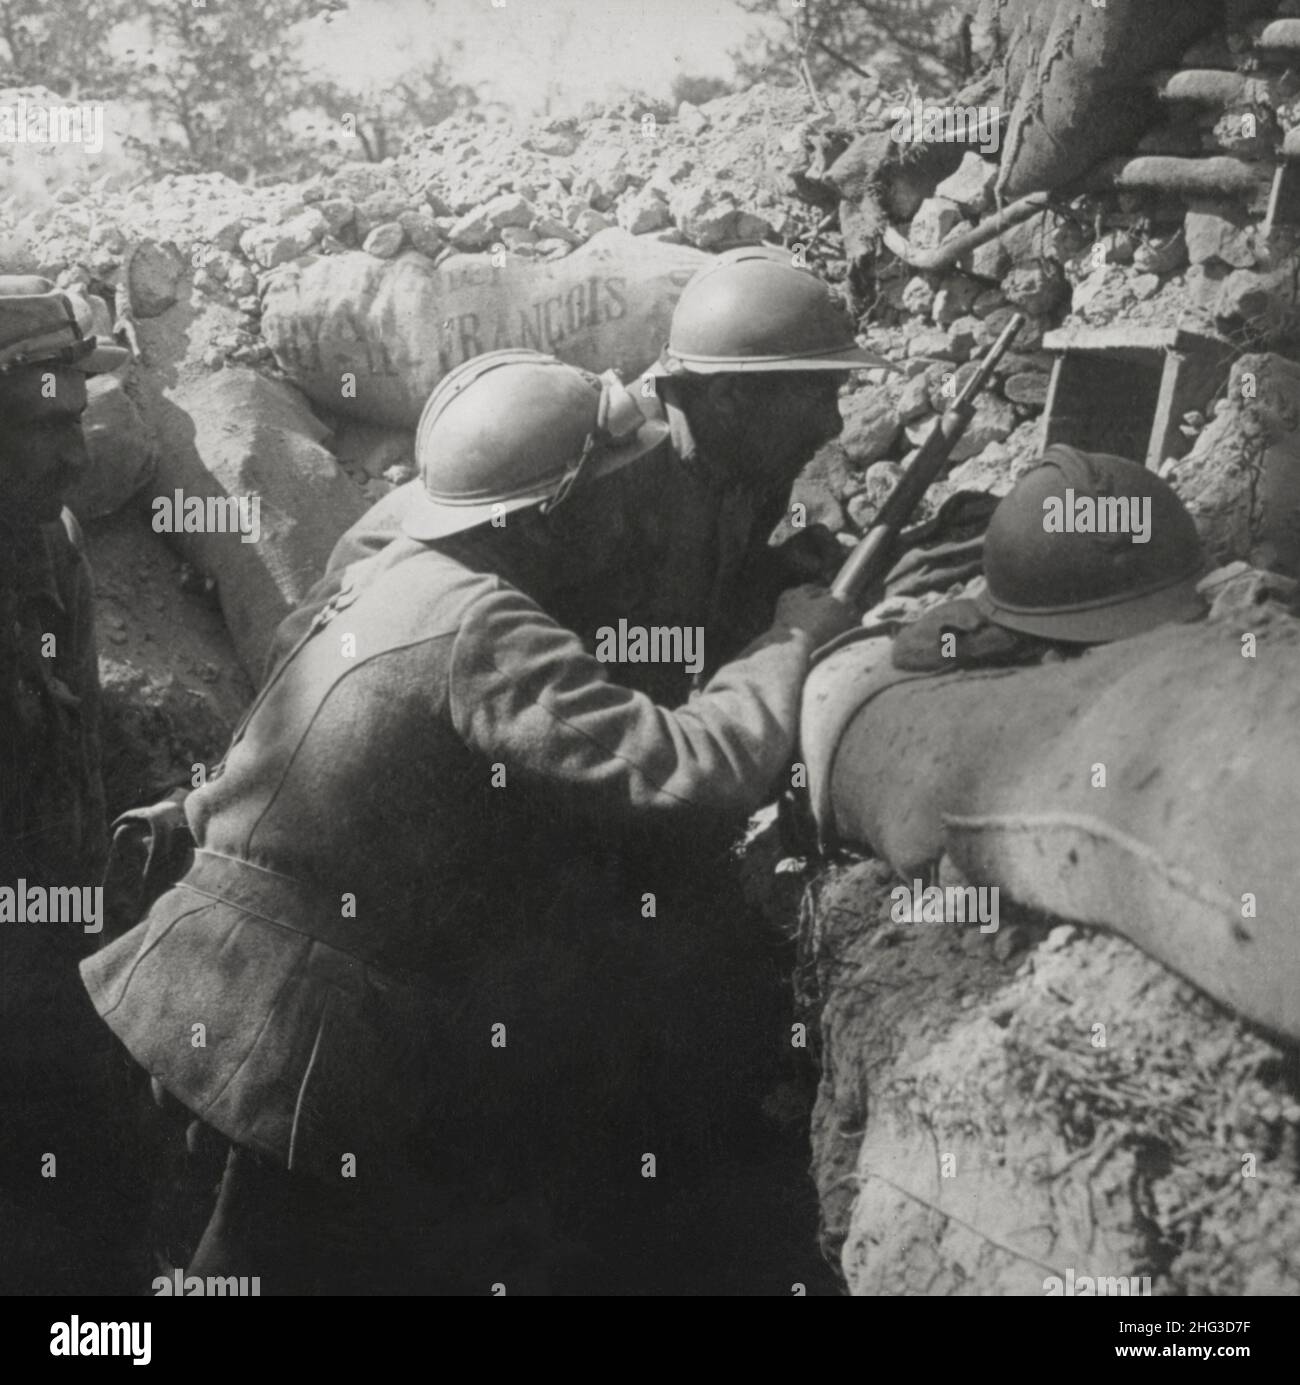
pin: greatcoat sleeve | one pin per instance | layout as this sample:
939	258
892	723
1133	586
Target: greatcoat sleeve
524	693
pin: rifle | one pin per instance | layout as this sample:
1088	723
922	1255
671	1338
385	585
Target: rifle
874	555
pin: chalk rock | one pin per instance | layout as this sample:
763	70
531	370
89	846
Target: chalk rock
930	345
1219	233
1162	255
603	179
1042	236
709	220
914	401
155	273
1101	294
971	187
558	143
880	479
956	297
338	212
871	426
994	421
1035	288
380	208
935	217
474	230
646	211
270	246
962	337
422	232
590	222
918	296
385	240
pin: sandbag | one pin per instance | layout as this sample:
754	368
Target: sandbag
369	338
237	434
1072	74
1146	787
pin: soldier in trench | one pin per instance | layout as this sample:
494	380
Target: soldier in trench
437	992
1051	591
748	383
62	1143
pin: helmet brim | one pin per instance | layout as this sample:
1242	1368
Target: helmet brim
1100	624
88	356
438	517
672	363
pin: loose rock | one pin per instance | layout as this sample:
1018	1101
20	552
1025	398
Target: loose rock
385	241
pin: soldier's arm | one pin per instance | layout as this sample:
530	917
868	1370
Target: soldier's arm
526	694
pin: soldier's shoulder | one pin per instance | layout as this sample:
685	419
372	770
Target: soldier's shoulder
407	578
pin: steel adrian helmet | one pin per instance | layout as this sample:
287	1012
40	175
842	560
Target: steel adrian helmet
752	309
1088	548
513	429
40	325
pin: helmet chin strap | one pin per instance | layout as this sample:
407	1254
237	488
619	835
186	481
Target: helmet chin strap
618	419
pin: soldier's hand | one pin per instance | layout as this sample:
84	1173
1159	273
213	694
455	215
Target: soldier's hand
813	554
816	612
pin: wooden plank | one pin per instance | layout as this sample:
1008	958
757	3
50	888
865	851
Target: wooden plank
1164	423
1125	339
1195	380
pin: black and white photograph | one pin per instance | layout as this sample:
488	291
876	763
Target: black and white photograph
650	648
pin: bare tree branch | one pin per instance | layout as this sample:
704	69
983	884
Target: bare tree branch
841	59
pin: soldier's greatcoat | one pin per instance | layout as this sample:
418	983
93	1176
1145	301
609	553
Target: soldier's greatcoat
702	558
386	868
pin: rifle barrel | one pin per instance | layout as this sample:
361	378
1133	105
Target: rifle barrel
870	559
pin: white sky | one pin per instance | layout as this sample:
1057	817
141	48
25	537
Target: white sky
572	50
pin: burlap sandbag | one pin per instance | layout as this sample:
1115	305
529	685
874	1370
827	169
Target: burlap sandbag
1183	847
1072	74
370	338
237	434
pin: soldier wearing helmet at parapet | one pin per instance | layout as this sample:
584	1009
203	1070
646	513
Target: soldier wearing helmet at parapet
1086	548
493	410
378	989
1089	548
748	383
52	828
